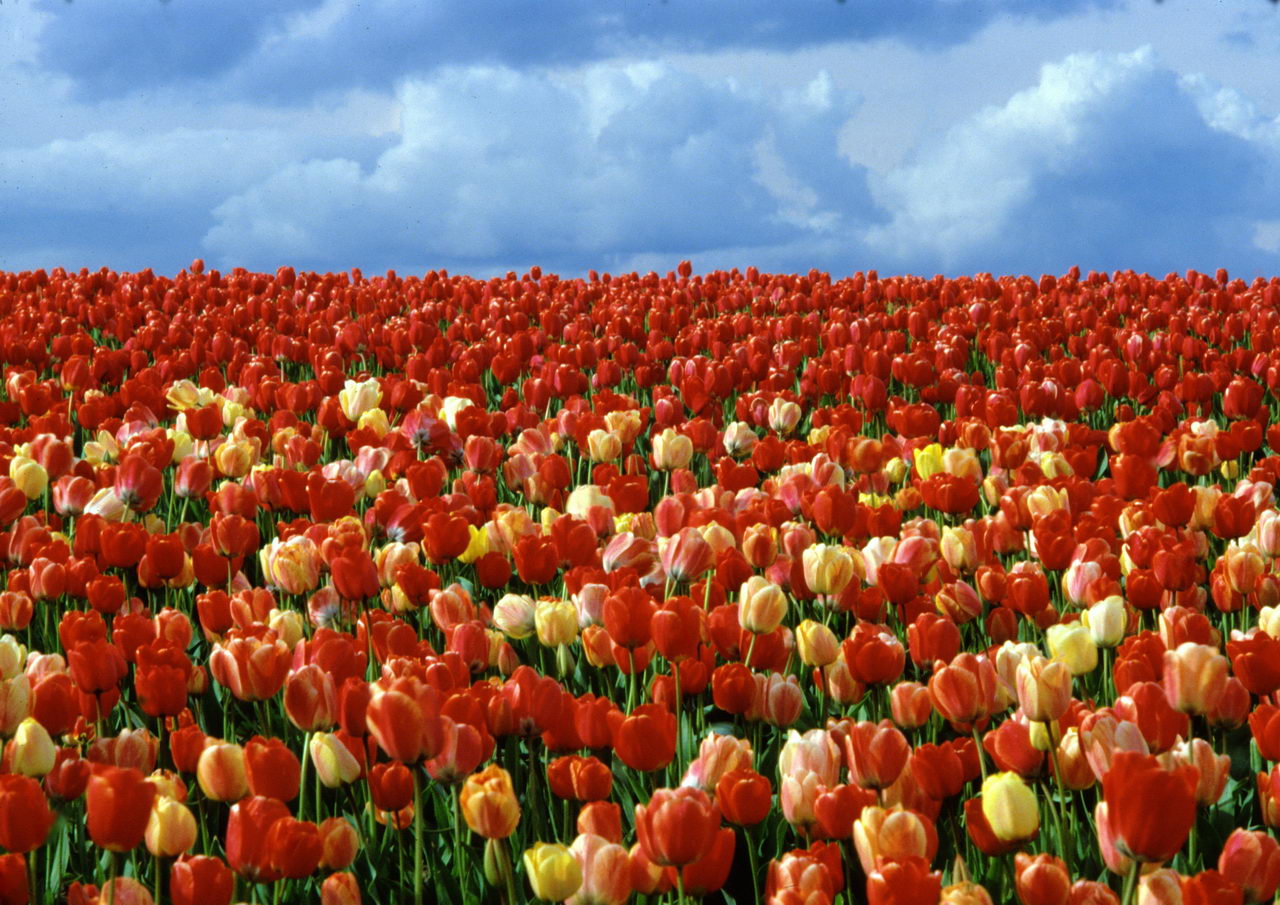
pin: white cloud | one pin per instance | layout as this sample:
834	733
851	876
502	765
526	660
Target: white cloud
494	164
1111	160
330	134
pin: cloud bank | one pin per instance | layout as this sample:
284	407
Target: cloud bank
338	134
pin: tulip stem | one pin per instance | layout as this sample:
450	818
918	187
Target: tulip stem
679	886
631	679
755	863
1064	840
455	796
509	873
1131	883
156	882
302	780
982	761
675	669
418	858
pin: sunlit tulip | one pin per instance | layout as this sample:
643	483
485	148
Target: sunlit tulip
356	398
1072	644
677	826
1010	807
1044	688
171	828
827	569
553	871
32	751
671	450
762	605
488	803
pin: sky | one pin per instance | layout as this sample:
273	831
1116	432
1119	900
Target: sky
920	136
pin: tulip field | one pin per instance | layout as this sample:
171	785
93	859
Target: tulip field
733	587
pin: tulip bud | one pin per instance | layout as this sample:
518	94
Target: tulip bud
739	438
827	569
1072	644
556	622
1251	860
1044	688
910	705
287	624
816	643
221	772
603	446
1077	772
1041	879
1160	887
514	614
1195	677
340	843
965	893
958	548
488	803
13	656
784	415
892	835
760	545
1010	807
554	873
671	450
358	397
1106	621
171	828
340	889
334	762
762	605
33	751
29	476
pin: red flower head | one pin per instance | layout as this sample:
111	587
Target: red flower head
1149	809
645	740
200	880
874	655
905	882
744	796
118	807
272	769
25	818
677	826
138	483
1255	660
248	828
876	754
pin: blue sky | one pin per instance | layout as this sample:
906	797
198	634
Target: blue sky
930	136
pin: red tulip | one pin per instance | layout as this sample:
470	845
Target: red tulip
1251	860
645	739
744	796
14	889
903	882
248	827
25	818
294	848
200	880
677	826
709	873
876	754
118	807
1149	809
273	771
